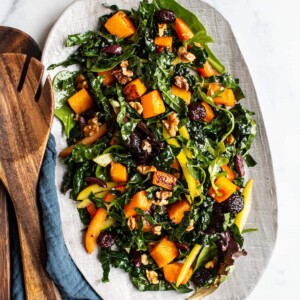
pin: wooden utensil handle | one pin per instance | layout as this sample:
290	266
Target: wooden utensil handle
22	188
4	247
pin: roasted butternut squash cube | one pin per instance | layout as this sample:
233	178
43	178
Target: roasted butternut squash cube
118	173
109	78
153	104
176	210
176	166
183	30
164	41
226	98
182	94
226	189
134	90
164	180
207	70
139	200
209	112
164	252
172	271
81	101
120	25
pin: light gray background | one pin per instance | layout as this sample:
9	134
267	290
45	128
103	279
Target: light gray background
268	35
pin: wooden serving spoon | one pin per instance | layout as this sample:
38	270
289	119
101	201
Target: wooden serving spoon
11	41
25	127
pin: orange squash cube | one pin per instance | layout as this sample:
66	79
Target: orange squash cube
207	70
176	210
118	173
120	25
209	112
172	271
182	93
81	101
226	98
164	180
164	252
183	30
176	166
164	41
226	189
153	104
139	200
109	78
230	174
134	90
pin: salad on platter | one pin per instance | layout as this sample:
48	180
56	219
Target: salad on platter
157	142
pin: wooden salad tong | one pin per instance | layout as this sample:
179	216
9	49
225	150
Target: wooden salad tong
25	120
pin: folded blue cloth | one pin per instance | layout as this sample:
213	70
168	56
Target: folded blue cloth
60	266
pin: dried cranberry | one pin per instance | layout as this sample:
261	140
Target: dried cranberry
92	180
182	246
239	165
165	16
136	257
234	204
106	239
202	276
82	122
112	49
197	112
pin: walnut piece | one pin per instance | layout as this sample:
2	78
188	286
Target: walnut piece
191	226
162	202
124	65
181	82
137	106
92	126
144	259
146	146
132	223
186	56
171	124
156	230
144	170
81	82
161	28
152	277
163	195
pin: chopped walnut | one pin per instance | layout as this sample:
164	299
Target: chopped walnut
161	28
132	223
124	65
191	226
92	126
122	79
209	265
144	170
152	277
171	124
156	230
137	106
144	259
162	202
181	82
186	56
163	195
146	146
81	82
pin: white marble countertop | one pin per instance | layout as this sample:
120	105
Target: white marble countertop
268	34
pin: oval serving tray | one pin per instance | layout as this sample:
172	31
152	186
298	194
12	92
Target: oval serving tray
82	16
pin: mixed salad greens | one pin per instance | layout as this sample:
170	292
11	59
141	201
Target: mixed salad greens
157	143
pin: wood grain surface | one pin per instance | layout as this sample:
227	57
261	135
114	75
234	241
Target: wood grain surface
11	41
25	126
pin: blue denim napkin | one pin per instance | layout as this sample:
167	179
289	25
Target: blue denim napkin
60	266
